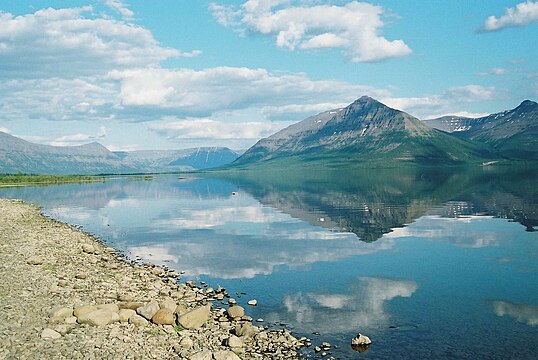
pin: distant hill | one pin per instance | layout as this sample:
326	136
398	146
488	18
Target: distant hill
17	155
174	160
514	133
366	132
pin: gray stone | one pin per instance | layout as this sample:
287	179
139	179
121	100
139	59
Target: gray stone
236	312
81	310
234	342
138	320
88	248
361	340
202	355
225	355
148	310
186	342
195	318
63	312
34	260
126	314
50	334
109	307
246	330
163	317
100	317
169	304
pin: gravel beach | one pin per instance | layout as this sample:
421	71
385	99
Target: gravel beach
65	295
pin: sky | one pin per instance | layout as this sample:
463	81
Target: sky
173	74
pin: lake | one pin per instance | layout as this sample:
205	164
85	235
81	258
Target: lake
427	263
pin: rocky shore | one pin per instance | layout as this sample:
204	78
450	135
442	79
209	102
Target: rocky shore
65	295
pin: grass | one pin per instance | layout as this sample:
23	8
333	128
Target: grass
178	328
30	179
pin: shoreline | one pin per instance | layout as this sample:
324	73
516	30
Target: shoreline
64	294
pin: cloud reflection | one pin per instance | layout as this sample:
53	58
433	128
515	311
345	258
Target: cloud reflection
362	307
523	313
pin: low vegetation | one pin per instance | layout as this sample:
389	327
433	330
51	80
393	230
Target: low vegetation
30	179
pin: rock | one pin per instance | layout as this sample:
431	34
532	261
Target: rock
88	248
168	304
110	250
81	276
232	301
126	298
148	310
260	320
62	283
71	320
236	312
195	318
126	314
252	302
246	330
109	307
163	317
138	320
225	355
34	260
361	340
234	342
63	312
157	271
130	305
81	310
202	355
100	317
64	329
50	334
186	343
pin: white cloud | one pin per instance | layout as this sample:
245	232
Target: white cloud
522	14
448	101
494	71
6	130
210	129
523	313
354	27
80	138
73	42
120	7
204	92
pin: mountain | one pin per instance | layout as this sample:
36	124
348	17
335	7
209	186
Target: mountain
179	160
452	123
17	155
513	133
366	131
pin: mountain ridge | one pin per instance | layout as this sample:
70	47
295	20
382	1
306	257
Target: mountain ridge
364	131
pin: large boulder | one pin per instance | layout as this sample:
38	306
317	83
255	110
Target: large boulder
148	310
100	317
163	317
195	318
236	312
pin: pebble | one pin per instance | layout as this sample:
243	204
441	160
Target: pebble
34	260
50	334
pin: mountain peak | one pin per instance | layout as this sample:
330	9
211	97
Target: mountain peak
527	105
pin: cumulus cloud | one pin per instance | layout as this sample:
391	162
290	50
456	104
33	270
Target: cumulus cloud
354	27
80	138
74	42
448	101
204	92
120	8
522	14
196	128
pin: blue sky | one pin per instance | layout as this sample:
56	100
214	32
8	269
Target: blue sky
170	74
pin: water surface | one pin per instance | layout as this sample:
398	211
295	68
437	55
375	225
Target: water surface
429	264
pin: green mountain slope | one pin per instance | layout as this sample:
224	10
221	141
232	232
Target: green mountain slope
365	132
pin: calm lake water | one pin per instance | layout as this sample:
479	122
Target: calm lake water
428	264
